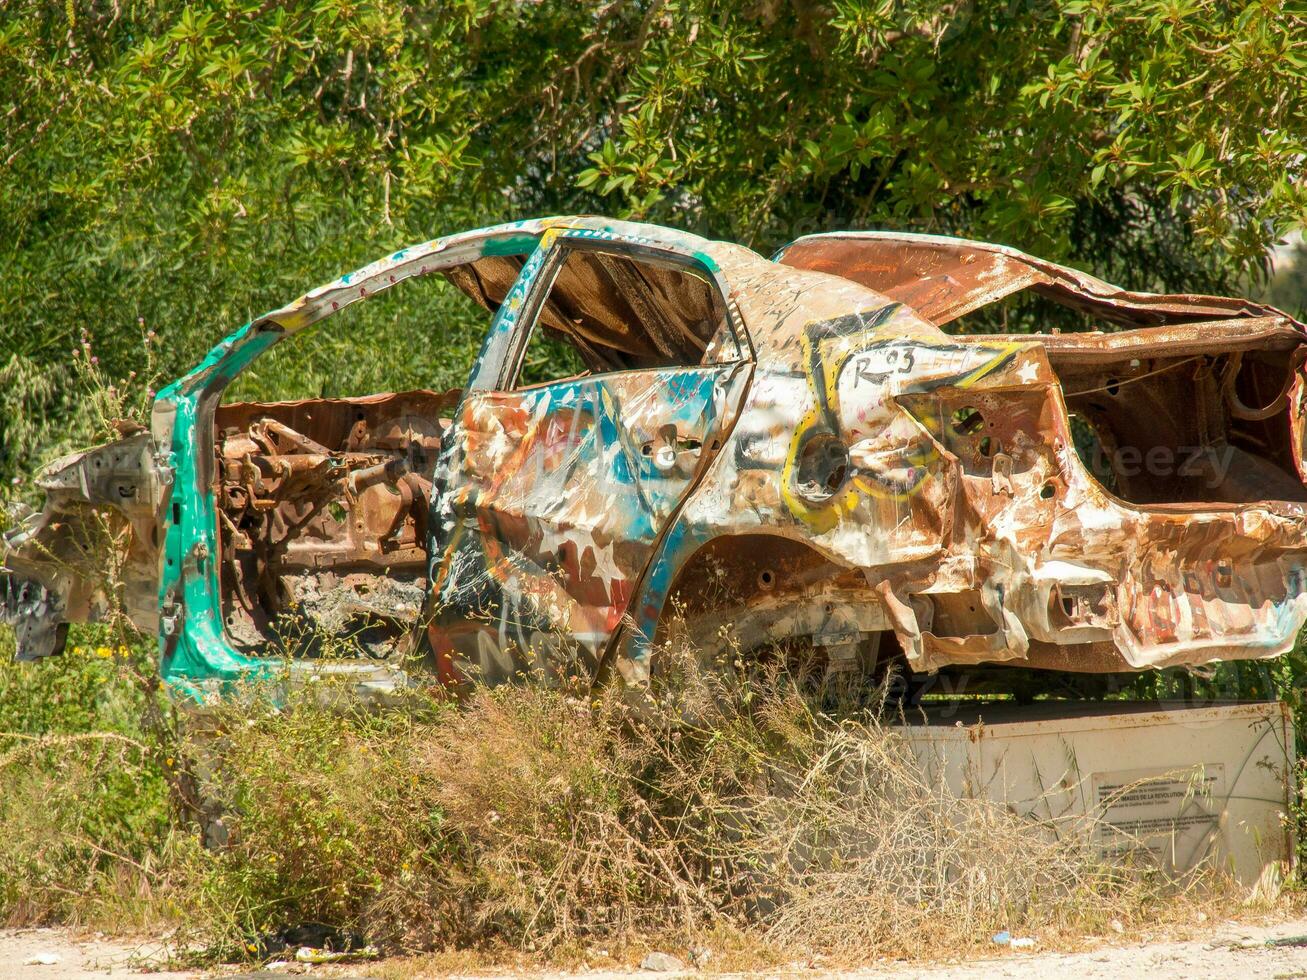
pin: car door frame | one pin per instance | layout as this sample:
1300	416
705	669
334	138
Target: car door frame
499	364
197	659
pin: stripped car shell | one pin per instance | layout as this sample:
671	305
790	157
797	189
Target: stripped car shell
775	452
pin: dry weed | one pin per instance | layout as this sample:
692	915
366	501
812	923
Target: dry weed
531	819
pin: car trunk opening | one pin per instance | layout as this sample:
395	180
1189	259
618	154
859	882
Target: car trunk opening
1199	413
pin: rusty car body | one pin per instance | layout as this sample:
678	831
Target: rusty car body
780	450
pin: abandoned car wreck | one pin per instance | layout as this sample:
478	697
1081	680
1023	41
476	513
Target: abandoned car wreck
807	449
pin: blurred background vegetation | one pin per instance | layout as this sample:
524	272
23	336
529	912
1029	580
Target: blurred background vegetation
179	167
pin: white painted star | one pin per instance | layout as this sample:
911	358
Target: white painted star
553	537
606	568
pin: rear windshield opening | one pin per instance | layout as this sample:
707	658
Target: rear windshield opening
1025	311
1185	429
1165	422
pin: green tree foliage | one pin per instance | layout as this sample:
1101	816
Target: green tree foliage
180	167
1288	287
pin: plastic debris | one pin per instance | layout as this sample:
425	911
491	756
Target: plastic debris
1003	938
42	959
1022	942
1288	941
307	954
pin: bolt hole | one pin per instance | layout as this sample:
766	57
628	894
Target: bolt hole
1113	386
766	578
1047	491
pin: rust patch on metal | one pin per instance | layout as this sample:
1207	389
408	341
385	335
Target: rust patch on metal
322	514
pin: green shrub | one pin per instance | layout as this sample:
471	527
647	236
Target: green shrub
85	819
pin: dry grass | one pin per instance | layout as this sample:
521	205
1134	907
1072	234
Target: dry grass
823	831
763	819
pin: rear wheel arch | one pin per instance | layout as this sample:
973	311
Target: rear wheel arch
755	591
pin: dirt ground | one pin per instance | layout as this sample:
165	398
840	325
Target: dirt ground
1231	950
77	956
